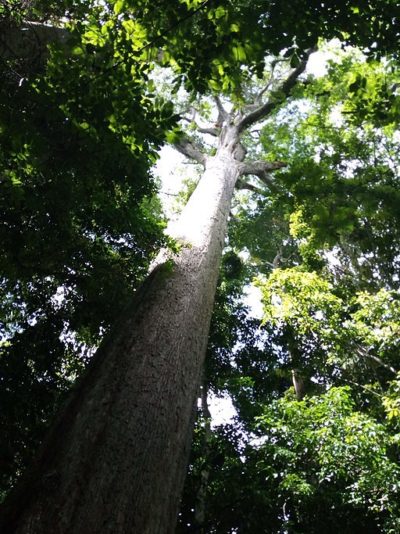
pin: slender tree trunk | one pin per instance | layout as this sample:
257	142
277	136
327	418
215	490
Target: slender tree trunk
201	497
115	461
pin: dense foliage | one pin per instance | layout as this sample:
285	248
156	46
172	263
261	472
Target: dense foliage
79	219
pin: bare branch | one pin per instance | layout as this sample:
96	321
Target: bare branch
201	129
168	194
268	181
278	96
211	131
222	113
365	388
364	353
250	187
258	98
257	101
189	149
259	167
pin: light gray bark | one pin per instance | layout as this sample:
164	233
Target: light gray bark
116	460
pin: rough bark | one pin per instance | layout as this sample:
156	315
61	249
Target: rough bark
115	461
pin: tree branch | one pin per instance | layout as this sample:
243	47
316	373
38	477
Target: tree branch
211	131
278	96
364	353
189	149
240	184
258	98
260	94
260	169
365	388
205	130
268	181
222	113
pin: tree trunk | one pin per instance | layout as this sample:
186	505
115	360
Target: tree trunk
115	460
201	496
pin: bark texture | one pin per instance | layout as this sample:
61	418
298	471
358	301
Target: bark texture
116	459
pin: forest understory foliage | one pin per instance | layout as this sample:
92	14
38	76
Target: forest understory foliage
314	224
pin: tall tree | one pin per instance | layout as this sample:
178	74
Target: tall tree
146	365
200	247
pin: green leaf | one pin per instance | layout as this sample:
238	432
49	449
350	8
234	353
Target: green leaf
77	51
119	6
220	12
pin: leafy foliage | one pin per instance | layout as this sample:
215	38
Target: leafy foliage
330	459
225	41
80	222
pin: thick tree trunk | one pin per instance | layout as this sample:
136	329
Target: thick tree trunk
115	461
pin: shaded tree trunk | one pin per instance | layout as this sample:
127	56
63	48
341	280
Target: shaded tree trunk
116	459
